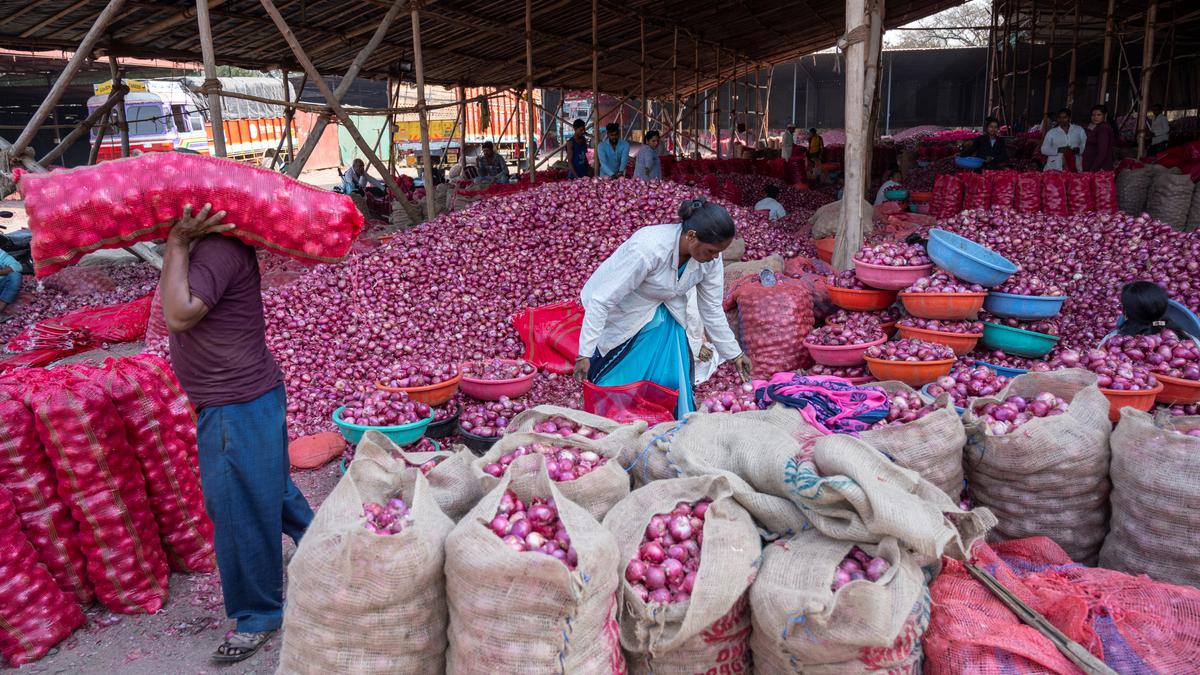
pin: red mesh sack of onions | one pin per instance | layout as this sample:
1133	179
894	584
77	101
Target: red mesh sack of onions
586	473
76	211
943	282
452	481
1002	188
814	606
975	190
1029	192
688	556
35	612
947	196
178	416
100	480
1054	194
1080	197
893	255
371	562
1050	477
26	472
1104	187
509	605
925	437
172	487
1165	353
773	321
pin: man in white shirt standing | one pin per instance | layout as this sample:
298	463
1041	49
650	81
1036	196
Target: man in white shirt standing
1160	129
771	203
789	141
1064	139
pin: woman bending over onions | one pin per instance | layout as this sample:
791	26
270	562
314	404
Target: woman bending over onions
635	304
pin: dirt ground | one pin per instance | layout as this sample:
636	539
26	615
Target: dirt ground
179	639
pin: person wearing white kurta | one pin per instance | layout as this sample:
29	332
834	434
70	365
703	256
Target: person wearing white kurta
635	304
1064	136
770	204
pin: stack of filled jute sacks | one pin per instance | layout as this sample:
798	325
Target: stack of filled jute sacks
99	496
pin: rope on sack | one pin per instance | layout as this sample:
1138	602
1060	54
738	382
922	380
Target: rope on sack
859	33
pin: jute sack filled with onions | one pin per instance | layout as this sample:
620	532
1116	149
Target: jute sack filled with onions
574	424
365	601
932	445
851	492
1155	526
585	472
753	455
1049	477
810	615
524	611
454	485
701	620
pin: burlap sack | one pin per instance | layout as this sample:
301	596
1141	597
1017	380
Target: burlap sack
359	602
1170	198
526	612
597	491
825	220
932	446
791	422
708	632
1050	477
1133	187
622	438
454	485
737	270
1193	217
800	625
752	454
1155	527
851	492
734	252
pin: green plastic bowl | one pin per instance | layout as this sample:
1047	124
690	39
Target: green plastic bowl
895	195
403	434
1016	341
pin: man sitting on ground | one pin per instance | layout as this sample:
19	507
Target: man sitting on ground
771	203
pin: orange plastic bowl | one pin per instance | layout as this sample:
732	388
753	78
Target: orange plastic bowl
944	306
920	196
1141	400
1177	390
961	343
430	394
889	277
840	355
913	373
889	328
825	248
865	300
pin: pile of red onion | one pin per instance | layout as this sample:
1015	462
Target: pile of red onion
730	401
422	373
425	444
943	282
383	409
1043	326
561	426
905	407
893	255
496	369
1007	416
859	565
856	332
1027	283
389	518
1113	371
445	411
960	327
1164	353
966	383
563	463
999	358
846	279
664	570
1180	409
535	528
125	283
910	350
886	315
490	420
840	371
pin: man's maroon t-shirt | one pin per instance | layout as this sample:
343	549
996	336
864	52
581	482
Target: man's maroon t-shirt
224	359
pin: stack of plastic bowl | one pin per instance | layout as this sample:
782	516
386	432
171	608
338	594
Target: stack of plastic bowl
1019	341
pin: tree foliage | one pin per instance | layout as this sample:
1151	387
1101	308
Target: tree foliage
963	26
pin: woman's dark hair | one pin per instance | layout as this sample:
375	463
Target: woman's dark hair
772	191
650	135
1145	306
711	223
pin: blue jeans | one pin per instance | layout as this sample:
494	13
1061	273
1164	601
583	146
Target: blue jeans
252	502
10	287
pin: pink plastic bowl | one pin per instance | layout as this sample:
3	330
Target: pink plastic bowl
843	355
889	278
492	390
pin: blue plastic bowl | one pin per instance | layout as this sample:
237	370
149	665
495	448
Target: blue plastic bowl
1024	307
1004	370
967	260
968	162
403	434
931	398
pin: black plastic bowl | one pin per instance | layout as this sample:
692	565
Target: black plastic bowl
444	427
478	444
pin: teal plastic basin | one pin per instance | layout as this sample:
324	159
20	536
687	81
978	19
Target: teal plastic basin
1017	341
403	434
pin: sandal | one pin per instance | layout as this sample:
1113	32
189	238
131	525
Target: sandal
241	646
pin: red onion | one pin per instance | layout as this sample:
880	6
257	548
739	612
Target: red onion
1027	283
1180	409
446	410
1165	353
842	316
731	401
668	558
561	426
911	350
1112	372
856	332
961	327
943	282
389	518
383	409
1189	432
1008	415
563	462
496	369
966	383
1043	326
999	358
893	255
417	373
536	528
840	371
905	407
857	566
846	279
490	420
423	445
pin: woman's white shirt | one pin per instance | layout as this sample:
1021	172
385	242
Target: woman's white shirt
624	292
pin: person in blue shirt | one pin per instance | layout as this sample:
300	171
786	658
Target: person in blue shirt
613	153
10	282
577	149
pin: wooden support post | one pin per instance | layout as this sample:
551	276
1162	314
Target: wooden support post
642	87
114	69
992	60
871	82
1010	47
423	115
850	234
531	147
288	116
1166	97
117	95
462	134
211	83
94	152
314	135
81	55
675	92
1029	68
1106	58
1050	60
766	130
696	95
596	117
717	107
1074	60
1147	71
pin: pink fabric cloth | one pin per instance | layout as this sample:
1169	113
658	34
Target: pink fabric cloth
830	404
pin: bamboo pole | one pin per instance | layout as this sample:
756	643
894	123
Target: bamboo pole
94	152
596	78
314	135
462	137
1166	98
530	152
696	95
159	27
117	95
642	88
1109	29
992	60
1050	60
215	119
717	107
1147	71
288	119
422	115
850	235
1010	46
1029	69
1074	60
675	92
114	71
871	83
288	116
81	55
